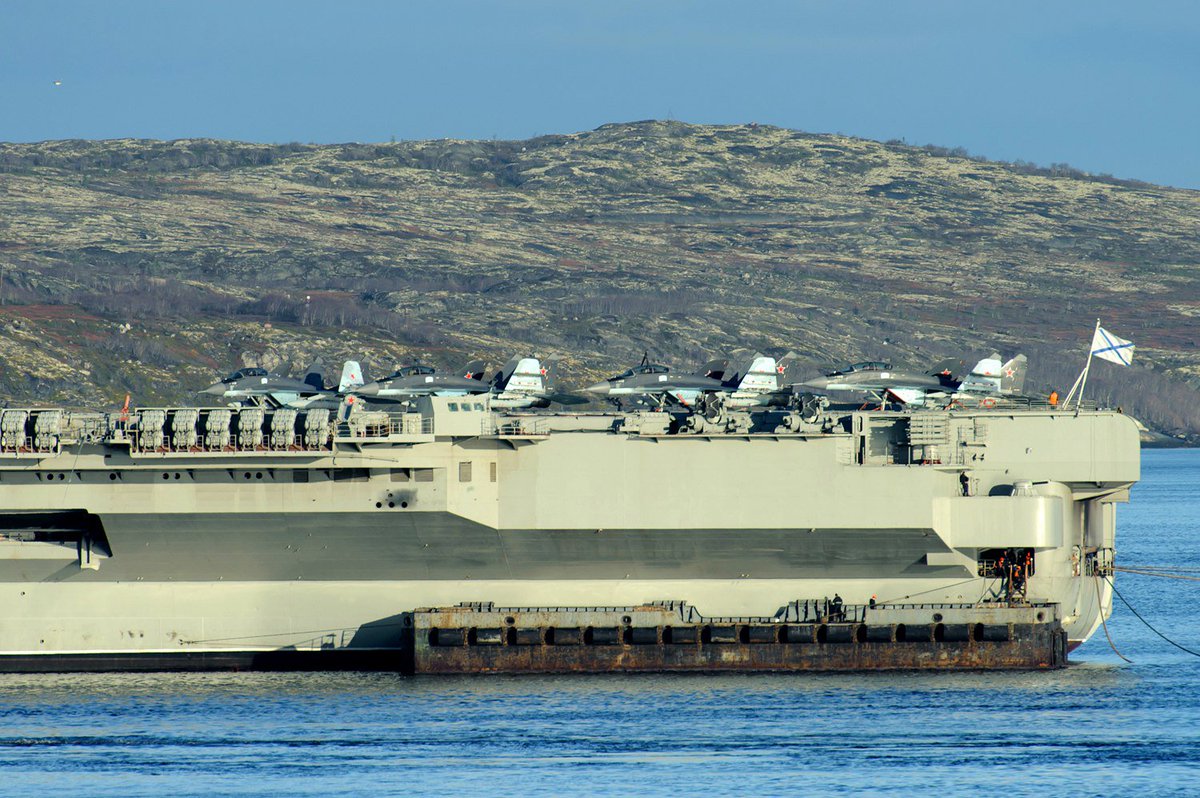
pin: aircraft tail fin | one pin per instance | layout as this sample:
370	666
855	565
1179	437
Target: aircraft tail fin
1012	375
524	375
988	367
314	376
762	374
785	367
352	376
985	377
500	379
550	371
714	369
474	370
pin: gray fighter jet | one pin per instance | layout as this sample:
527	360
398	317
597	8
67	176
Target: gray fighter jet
257	386
421	380
884	383
658	385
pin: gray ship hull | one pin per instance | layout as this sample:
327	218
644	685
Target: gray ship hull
115	552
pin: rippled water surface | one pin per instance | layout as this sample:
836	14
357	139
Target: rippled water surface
1102	727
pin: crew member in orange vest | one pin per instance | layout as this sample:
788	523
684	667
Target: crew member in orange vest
1054	398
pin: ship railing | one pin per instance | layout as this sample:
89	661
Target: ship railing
379	425
1003	403
515	426
800	611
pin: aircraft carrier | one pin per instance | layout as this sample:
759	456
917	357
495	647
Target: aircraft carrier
458	537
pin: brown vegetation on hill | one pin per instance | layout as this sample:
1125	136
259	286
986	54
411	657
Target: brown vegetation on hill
151	266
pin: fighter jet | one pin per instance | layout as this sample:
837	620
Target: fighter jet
421	380
660	386
257	386
880	380
526	382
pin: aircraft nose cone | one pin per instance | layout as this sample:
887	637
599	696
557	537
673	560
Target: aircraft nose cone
600	387
817	384
216	389
370	389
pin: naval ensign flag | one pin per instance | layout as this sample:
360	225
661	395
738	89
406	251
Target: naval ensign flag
1107	346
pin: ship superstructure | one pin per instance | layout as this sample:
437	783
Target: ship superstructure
206	537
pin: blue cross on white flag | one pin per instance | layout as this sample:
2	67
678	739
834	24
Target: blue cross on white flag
1107	346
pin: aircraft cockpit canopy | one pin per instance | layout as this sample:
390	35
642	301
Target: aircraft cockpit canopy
412	371
253	371
866	365
642	368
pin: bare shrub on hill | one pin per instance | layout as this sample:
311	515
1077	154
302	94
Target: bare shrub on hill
138	349
154	298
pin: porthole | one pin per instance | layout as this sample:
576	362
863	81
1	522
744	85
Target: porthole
258	475
391	505
112	475
403	505
378	505
247	475
166	476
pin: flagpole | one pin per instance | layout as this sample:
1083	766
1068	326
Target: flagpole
1087	369
1081	380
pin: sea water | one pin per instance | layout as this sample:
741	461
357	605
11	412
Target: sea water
1100	727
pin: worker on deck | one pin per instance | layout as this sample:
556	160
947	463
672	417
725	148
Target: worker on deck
1054	399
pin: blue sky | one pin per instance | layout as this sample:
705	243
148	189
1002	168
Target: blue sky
1105	86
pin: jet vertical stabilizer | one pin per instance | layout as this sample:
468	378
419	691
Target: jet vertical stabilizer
527	377
315	376
1012	375
525	382
985	377
352	377
761	375
474	370
713	369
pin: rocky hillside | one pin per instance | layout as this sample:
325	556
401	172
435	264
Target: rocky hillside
150	267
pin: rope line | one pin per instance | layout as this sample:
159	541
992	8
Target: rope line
923	592
1104	623
1160	574
1143	620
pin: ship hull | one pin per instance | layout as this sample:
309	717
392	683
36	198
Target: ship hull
119	557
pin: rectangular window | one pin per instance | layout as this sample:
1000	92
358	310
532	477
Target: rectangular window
479	407
492	470
422	475
401	475
464	472
349	474
299	475
453	406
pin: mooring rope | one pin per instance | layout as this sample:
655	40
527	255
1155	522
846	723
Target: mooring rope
1104	623
1143	620
1160	574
